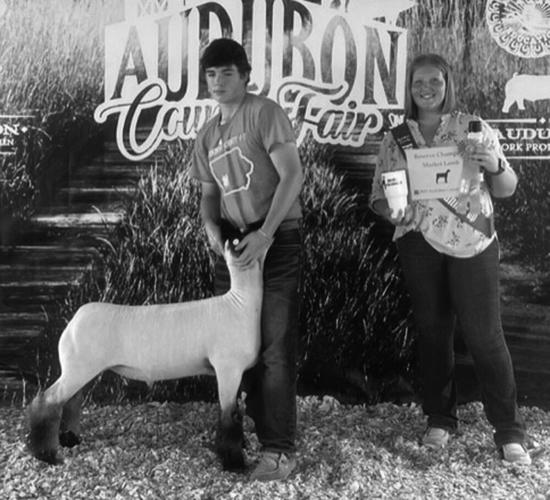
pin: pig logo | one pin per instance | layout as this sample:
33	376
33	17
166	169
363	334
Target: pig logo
370	9
521	88
232	171
521	27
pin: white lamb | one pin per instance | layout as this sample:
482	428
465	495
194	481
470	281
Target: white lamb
218	335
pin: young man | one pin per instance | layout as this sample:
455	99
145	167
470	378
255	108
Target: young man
247	162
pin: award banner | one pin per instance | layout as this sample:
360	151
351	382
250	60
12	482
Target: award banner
434	172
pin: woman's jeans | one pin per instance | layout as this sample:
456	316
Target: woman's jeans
271	384
444	290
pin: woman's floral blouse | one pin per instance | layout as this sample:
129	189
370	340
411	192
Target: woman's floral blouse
441	227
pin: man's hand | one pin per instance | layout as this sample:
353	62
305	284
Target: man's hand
251	248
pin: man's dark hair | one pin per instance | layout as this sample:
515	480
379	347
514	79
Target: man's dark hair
225	52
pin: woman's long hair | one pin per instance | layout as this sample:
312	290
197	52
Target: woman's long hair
435	60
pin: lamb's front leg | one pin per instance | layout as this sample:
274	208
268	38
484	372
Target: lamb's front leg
229	435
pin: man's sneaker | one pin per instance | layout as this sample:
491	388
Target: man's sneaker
515	453
435	438
273	466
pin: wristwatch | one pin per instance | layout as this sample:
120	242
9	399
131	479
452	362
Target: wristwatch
501	168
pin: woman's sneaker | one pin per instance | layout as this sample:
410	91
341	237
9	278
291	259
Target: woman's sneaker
273	466
515	453
435	438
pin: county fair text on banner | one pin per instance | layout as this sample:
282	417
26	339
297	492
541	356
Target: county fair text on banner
338	72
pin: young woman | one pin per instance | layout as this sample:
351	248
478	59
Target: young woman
450	258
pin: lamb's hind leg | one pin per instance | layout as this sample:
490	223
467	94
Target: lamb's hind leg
43	438
69	434
45	413
229	436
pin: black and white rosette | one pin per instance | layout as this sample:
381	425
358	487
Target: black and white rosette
521	27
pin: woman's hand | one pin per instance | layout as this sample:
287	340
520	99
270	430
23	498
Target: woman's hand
501	184
484	157
401	218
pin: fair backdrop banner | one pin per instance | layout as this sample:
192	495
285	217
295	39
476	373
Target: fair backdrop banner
338	72
337	67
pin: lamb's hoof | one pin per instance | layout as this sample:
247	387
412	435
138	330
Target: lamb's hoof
68	439
50	456
233	462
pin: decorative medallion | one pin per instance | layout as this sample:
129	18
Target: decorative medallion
521	27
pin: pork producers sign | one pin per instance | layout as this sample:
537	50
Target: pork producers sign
522	28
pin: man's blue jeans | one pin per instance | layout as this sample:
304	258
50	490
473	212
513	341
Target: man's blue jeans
444	290
271	384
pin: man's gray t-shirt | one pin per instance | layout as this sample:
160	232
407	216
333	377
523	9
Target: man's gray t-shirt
235	155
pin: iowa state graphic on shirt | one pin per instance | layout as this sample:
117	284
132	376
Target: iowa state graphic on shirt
231	169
